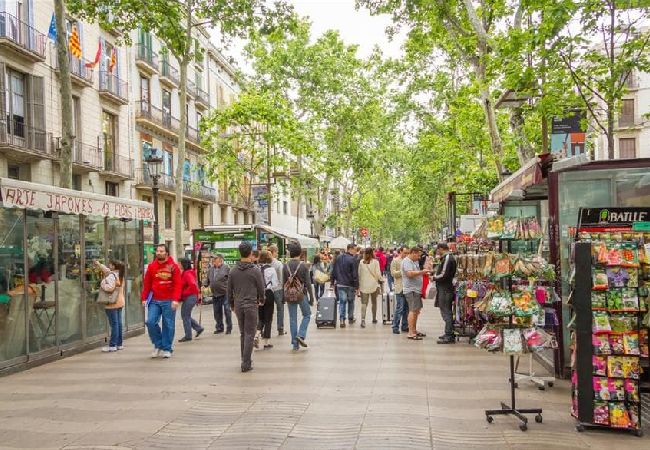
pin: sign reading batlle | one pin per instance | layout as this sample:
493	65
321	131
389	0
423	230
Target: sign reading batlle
613	217
22	194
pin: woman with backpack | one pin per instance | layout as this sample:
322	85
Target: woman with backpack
112	297
271	284
369	284
189	297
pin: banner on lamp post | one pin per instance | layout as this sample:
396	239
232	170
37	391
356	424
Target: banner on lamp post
261	203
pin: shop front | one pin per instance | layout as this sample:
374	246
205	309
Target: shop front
48	284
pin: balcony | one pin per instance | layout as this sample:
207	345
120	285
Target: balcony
198	191
113	89
191	88
202	99
80	74
169	75
146	59
631	121
144	179
156	119
25	142
224	196
21	38
117	167
85	157
193	136
631	82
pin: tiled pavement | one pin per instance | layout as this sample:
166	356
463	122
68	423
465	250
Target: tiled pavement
353	388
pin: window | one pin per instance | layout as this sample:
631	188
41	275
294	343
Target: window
146	198
166	102
627	113
224	214
145	97
168	214
201	217
201	175
187	166
186	217
236	216
76	181
277	206
13	172
245	217
108	137
112	189
77	129
627	148
168	159
105	62
16	103
285	207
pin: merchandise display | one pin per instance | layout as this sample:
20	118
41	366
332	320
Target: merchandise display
610	304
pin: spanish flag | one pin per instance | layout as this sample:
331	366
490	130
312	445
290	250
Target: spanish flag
73	43
98	55
111	65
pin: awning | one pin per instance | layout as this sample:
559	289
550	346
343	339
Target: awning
26	195
304	241
528	175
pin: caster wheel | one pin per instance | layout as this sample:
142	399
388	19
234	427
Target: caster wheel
523	427
550	384
580	428
541	388
638	433
489	419
538	418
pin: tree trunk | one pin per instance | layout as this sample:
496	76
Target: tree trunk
611	104
524	151
493	129
610	131
184	61
67	138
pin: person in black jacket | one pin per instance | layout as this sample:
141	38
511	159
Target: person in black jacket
444	279
296	267
346	277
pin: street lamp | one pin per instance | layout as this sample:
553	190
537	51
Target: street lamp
154	165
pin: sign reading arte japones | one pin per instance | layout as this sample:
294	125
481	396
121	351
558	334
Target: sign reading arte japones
613	217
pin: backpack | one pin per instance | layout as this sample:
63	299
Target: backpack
106	297
294	289
269	296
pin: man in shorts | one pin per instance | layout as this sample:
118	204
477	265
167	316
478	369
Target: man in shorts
412	289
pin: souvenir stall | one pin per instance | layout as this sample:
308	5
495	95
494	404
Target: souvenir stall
48	282
610	321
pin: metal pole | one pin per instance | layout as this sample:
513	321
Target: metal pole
154	191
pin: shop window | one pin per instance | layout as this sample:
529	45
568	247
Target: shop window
112	189
95	237
186	217
168	214
285	207
69	280
627	148
12	285
134	269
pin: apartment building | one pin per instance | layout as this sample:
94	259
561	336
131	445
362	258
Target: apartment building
30	108
632	131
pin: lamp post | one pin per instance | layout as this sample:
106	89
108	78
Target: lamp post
154	164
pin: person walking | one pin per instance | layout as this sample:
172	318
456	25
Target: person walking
319	275
346	277
412	288
189	297
161	294
444	278
246	293
381	257
387	273
278	293
400	318
370	282
113	279
296	276
218	281
271	284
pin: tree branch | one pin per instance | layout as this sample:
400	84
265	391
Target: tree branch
482	35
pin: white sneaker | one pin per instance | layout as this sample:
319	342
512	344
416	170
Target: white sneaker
166	354
155	353
109	349
120	347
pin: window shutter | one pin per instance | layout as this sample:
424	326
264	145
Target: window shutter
37	111
3	104
102	59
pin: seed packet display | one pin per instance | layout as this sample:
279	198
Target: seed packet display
598	300
617	277
631	344
600	365
512	341
633	277
601	388
601	322
524	304
623	367
601	413
629	253
601	282
500	305
601	344
616	342
621	323
631	390
489	338
619	416
643	343
615	299
630	299
616	389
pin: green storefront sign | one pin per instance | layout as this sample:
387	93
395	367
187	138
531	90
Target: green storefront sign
641	226
220	236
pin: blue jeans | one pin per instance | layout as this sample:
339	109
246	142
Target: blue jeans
279	308
305	310
115	324
161	338
221	308
320	290
346	299
401	313
391	280
186	316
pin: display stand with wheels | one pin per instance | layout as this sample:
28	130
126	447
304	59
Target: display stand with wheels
541	381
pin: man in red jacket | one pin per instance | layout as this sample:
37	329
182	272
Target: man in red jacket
162	282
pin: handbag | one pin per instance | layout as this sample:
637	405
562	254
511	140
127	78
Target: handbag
108	297
321	277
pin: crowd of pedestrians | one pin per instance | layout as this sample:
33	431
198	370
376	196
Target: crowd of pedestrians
259	286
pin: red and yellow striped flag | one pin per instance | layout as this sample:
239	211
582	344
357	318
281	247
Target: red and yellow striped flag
73	44
111	65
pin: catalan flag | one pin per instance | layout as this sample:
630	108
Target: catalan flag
111	65
73	43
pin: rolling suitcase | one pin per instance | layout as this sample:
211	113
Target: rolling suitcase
326	311
387	307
